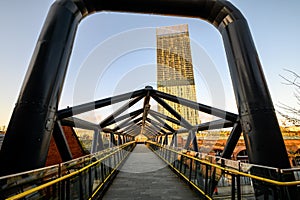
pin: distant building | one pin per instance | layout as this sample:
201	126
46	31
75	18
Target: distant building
175	70
2	134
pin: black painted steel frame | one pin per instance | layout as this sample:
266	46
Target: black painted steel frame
35	114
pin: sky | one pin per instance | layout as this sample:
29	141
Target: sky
115	53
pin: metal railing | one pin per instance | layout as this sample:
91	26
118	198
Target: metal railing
82	178
217	178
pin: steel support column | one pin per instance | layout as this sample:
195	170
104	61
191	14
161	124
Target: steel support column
94	142
192	138
166	141
31	125
160	139
97	144
257	114
119	140
232	140
174	142
112	141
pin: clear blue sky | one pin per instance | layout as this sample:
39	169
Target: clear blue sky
112	50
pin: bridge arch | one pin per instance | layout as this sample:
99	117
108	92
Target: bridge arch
40	93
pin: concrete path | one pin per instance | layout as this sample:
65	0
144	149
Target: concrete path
145	176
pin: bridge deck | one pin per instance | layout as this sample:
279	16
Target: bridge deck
145	176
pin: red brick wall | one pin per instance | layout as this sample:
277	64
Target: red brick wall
74	146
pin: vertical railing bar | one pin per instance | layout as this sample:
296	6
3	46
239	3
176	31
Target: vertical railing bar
59	183
90	186
191	168
232	186
238	187
206	179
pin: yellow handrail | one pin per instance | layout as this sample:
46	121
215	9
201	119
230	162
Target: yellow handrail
279	183
43	186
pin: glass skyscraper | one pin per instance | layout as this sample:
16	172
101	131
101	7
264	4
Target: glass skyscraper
175	70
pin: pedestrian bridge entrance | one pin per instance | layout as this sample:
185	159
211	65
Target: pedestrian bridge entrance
142	171
76	174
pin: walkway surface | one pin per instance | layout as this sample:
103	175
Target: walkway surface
145	176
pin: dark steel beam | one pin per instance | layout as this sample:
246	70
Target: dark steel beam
162	116
183	121
129	129
133	131
152	131
157	127
146	104
79	109
216	124
157	124
126	116
61	142
129	125
119	111
197	106
149	127
128	122
192	138
108	130
232	140
215	12
79	123
163	123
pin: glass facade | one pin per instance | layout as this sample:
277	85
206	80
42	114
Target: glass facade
175	70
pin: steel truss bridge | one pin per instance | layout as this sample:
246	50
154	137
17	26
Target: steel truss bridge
36	118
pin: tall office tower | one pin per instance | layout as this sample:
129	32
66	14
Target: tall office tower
175	70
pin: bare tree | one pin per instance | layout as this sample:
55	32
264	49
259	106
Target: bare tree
291	114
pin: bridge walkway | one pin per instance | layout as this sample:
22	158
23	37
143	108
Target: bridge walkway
146	176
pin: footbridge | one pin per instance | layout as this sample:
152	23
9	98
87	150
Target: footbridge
155	168
42	158
146	171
